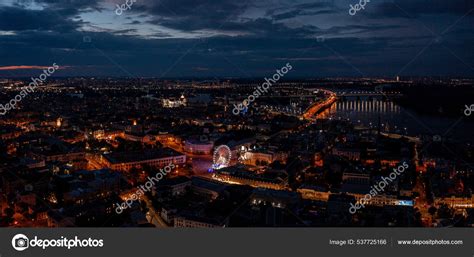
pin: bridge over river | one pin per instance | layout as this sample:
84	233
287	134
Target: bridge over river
367	93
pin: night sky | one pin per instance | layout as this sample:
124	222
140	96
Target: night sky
237	38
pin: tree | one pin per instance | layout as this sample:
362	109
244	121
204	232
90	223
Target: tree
432	210
445	212
9	212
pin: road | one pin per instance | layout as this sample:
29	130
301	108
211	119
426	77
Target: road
153	216
421	202
320	105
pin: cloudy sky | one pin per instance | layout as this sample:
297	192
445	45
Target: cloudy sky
237	38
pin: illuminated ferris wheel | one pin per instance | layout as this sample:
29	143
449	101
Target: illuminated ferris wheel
222	156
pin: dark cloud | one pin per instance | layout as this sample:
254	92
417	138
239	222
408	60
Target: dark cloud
71	4
135	22
194	15
414	8
16	19
379	40
299	13
305	9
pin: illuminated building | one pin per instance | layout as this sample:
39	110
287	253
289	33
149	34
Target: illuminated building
192	221
128	160
174	103
313	193
276	198
263	158
455	202
349	153
271	180
198	147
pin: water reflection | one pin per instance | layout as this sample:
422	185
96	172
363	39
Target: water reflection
369	111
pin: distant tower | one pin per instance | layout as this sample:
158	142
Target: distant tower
398	78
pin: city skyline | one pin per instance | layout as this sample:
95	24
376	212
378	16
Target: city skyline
105	152
205	114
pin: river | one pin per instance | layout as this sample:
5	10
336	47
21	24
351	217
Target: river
366	111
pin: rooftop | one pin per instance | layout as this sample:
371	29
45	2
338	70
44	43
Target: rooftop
137	156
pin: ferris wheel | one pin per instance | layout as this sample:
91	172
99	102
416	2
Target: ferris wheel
221	157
